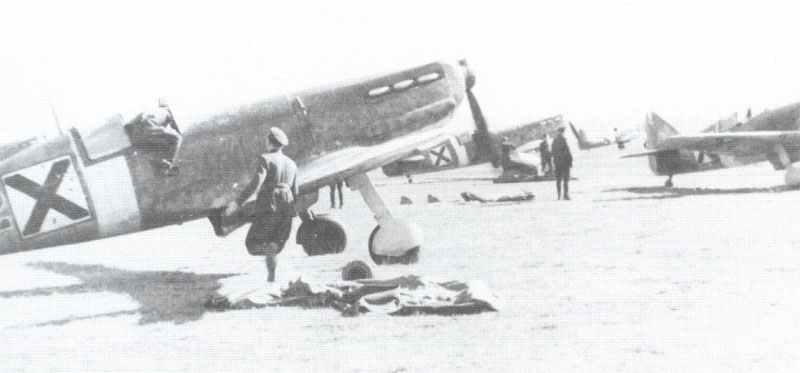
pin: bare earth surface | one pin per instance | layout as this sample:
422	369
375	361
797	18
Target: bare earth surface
629	276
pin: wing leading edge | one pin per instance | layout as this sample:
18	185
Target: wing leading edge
350	161
347	162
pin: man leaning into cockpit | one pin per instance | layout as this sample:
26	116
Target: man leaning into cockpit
157	133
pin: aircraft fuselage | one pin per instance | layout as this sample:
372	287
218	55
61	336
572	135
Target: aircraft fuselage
733	154
84	186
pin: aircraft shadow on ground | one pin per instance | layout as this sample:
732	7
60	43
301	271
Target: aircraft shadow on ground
662	192
169	296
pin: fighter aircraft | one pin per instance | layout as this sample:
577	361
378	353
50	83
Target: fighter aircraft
771	136
620	138
463	149
87	185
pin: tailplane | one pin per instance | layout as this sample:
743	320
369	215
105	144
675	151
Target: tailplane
657	129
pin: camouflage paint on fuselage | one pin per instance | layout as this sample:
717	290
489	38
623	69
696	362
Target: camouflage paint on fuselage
218	155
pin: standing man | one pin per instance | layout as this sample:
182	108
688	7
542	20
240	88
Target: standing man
562	159
506	147
544	155
619	140
275	186
337	185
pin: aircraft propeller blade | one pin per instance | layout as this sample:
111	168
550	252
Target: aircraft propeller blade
486	147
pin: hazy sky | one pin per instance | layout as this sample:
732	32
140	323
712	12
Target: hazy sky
602	65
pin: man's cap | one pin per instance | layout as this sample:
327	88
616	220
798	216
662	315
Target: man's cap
562	128
279	136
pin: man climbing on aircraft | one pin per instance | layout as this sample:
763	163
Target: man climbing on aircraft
562	159
157	132
275	187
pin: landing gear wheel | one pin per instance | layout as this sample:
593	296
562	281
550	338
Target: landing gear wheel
411	256
321	236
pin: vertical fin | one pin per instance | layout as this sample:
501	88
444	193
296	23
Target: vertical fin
657	129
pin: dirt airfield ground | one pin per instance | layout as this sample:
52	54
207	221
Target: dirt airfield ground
629	276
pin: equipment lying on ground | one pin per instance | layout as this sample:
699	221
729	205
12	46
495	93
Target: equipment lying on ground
522	178
521	197
401	296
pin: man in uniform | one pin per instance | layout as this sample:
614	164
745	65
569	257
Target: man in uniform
275	187
544	155
336	186
562	160
157	133
506	147
619	140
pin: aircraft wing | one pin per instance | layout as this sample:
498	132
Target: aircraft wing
642	154
528	146
351	161
731	141
525	158
627	135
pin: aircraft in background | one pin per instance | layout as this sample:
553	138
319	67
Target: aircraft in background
625	136
585	143
87	185
463	150
620	138
771	136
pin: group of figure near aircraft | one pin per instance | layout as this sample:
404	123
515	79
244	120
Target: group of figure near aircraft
239	166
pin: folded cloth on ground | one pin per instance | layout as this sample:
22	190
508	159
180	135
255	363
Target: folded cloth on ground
401	296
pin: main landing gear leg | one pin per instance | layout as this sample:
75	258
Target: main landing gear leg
393	240
668	184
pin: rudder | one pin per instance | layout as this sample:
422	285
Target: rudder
657	129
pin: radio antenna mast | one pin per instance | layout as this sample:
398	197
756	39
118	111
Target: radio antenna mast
55	117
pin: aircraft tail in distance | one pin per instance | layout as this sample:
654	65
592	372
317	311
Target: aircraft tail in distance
583	142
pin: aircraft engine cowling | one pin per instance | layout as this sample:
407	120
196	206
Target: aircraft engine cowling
673	162
679	161
457	151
